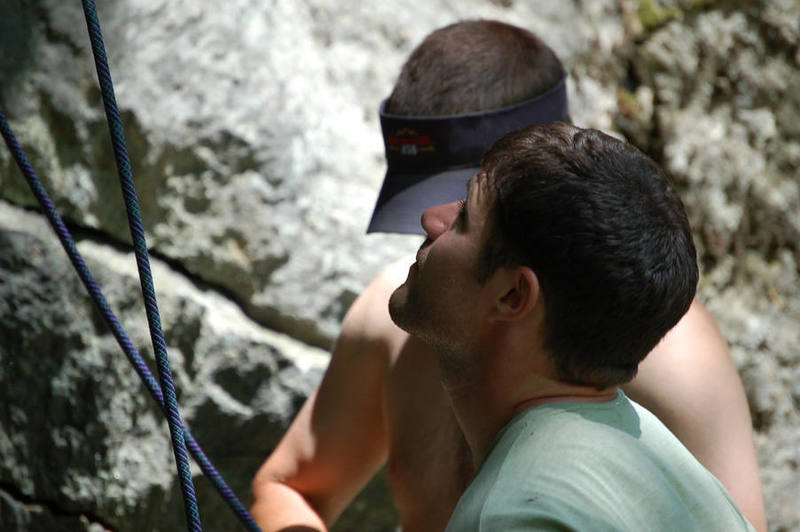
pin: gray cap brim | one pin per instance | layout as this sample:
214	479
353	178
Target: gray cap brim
400	212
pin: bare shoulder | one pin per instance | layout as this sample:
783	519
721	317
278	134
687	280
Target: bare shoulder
690	381
690	366
694	343
696	325
368	320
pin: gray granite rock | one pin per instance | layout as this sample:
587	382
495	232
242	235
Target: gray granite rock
80	438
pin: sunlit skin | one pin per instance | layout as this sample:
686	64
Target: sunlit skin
382	401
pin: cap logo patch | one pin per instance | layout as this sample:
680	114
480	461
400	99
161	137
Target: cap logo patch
409	141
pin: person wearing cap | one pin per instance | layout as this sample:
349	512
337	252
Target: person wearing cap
381	400
539	293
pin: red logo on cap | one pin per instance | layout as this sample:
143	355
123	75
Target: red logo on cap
409	142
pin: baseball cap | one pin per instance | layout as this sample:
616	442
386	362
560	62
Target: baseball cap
431	158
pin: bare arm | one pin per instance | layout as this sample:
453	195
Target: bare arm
338	440
690	382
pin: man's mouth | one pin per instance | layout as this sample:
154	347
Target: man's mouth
424	245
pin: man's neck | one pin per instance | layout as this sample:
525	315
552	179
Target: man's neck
486	399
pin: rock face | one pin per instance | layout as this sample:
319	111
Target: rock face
255	145
80	437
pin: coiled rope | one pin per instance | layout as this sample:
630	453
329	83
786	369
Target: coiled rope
165	393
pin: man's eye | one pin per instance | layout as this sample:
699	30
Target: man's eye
459	221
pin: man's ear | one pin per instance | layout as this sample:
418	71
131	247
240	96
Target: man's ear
517	292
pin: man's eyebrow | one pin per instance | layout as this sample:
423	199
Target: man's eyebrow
470	182
469	194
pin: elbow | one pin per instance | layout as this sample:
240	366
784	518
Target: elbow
262	482
278	507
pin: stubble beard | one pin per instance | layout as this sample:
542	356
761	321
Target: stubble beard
411	314
418	315
401	308
411	311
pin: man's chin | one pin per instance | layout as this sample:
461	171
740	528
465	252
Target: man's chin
398	306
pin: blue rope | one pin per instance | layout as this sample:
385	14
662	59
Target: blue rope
111	319
143	264
181	437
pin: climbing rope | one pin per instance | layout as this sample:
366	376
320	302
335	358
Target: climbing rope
165	393
143	264
113	322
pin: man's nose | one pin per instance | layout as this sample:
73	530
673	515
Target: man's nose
436	220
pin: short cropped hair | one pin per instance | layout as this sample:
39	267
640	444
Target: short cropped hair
474	65
607	237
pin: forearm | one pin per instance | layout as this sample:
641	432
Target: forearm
337	441
279	508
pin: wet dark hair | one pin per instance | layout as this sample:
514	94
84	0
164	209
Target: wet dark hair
474	65
607	237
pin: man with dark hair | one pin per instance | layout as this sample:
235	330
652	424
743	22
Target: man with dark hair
381	401
540	293
479	65
460	90
607	237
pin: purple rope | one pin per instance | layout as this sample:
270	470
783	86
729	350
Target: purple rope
113	323
143	264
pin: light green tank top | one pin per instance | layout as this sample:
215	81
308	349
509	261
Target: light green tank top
595	467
